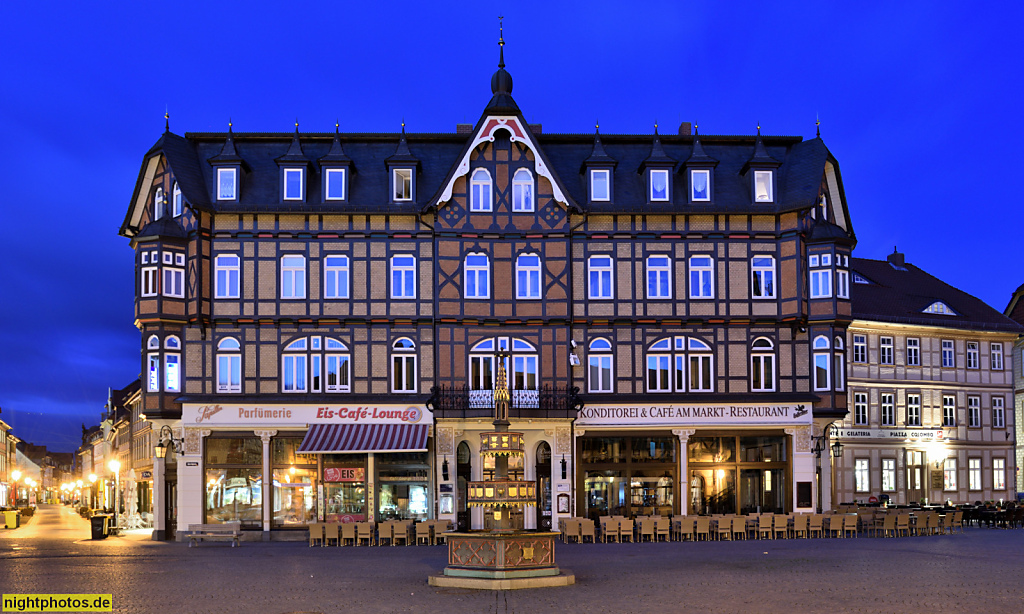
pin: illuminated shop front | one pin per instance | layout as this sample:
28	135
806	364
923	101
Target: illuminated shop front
694	459
275	469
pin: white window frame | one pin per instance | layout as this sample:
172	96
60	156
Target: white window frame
227	191
762	277
158	203
913	410
860	349
172	365
594	174
842	283
528	277
701	366
862	475
762	365
336	274
174	282
887	403
150	281
229	363
949	474
948	411
668	359
225	273
702	276
402	274
974	412
888	474
601	277
759	176
664	174
177	206
822	361
481	191
998	474
480	274
335	177
948	354
288	195
661	272
402	360
973	355
600	363
860	409
839	364
998	413
295	274
974	474
153	372
524	195
820	278
913	352
343	366
297	363
886	351
693	185
996	351
401	188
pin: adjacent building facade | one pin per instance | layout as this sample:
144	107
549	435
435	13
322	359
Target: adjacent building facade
931	387
321	313
1015	311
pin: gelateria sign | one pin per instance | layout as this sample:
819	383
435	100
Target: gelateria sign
685	414
221	414
908	434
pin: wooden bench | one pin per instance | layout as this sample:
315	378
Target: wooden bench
228	530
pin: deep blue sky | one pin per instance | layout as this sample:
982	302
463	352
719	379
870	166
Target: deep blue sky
919	102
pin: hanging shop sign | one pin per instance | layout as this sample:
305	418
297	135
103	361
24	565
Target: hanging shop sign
223	414
891	434
725	414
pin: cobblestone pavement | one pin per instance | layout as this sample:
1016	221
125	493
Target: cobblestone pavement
978	571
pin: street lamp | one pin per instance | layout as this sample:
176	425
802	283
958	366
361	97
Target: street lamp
115	466
170	442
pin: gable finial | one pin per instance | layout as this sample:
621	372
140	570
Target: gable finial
296	124
817	125
501	42
758	127
336	124
696	129
167	119
229	124
655	126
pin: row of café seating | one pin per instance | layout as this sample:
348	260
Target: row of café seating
393	532
849	523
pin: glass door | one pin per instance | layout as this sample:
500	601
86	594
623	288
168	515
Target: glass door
916	474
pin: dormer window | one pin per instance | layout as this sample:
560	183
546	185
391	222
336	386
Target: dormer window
522	191
227	184
401	179
158	203
940	308
700	185
659	185
176	203
336	188
763	192
293	184
480	191
600	184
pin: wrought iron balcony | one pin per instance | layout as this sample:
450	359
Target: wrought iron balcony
462	402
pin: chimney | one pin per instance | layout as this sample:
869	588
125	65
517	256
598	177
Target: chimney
896	258
684	129
536	128
463	128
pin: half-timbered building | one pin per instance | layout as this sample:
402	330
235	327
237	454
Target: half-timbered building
321	316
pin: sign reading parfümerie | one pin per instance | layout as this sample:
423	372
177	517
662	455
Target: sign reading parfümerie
222	414
907	434
696	415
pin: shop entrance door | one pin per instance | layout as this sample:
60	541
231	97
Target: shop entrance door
463	474
544	486
171	506
916	476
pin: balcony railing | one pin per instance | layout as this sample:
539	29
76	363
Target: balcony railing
462	402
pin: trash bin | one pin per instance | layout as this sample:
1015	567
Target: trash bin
12	519
99	526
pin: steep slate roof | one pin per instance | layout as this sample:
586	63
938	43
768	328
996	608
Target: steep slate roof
901	297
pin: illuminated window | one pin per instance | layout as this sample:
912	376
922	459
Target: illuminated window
480	191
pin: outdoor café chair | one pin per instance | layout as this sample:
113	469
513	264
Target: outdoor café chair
330	533
348	533
587	530
780	526
764	526
423	533
800	526
646	529
316	533
739	527
662	525
626	529
815	524
702	527
364	531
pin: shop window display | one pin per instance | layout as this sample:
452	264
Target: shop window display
234	481
344	488
402	486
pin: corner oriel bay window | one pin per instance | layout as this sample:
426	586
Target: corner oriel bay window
153	364
172	364
820	266
174	282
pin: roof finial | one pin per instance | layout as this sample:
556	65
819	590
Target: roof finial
229	124
817	125
336	124
167	119
655	126
501	42
597	126
296	124
403	125
696	129
758	127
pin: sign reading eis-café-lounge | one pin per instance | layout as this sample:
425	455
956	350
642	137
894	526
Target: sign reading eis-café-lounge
694	414
248	415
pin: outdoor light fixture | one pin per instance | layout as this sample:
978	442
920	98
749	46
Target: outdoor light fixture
92	478
171	442
837	450
16	475
444	469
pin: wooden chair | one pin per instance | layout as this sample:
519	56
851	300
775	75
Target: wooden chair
780	526
684	526
385	532
647	529
764	526
364	531
626	529
800	526
610	529
348	533
571	530
835	525
724	528
440	528
401	530
815	525
331	533
888	526
702	527
903	525
849	525
423	533
316	533
587	530
739	527
662	526
958	519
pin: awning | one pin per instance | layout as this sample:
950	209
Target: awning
325	438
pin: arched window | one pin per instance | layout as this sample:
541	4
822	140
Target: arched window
478	269
158	203
762	365
295	367
480	191
229	366
668	360
528	276
153	364
316	364
522	191
599	366
523	374
153	343
822	360
172	364
176	204
403	365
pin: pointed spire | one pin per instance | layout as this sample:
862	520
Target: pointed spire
167	119
501	81
817	126
337	154
402	153
228	154
658	157
294	155
598	157
698	157
501	43
761	155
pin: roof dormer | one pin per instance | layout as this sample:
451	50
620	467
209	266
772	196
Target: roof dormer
598	171
402	167
294	167
228	168
700	174
761	170
657	172
335	170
